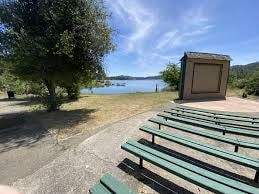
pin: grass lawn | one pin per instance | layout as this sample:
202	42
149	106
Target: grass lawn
90	112
93	111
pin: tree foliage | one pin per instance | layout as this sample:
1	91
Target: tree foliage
252	86
245	77
171	75
57	43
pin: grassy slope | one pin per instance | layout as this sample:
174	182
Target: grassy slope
88	113
99	110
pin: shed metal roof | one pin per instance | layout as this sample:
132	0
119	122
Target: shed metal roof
199	55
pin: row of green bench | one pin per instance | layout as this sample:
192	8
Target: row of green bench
196	174
193	130
205	148
212	126
211	115
214	120
193	173
200	176
110	185
228	114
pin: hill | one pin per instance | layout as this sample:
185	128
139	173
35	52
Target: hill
251	67
126	77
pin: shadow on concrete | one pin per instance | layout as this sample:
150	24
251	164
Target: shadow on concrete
27	128
153	180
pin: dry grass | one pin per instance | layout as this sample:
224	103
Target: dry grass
234	92
94	111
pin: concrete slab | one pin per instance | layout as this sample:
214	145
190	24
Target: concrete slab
230	104
76	170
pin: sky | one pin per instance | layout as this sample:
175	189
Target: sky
150	33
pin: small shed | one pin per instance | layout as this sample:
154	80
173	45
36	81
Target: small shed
203	75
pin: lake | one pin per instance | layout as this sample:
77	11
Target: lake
131	86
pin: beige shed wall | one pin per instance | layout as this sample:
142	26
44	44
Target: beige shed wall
208	79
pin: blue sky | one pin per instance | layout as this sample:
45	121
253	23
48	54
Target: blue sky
149	33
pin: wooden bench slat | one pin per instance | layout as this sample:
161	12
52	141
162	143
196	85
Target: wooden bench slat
98	188
114	185
190	172
244	132
205	148
191	129
217	112
212	120
216	116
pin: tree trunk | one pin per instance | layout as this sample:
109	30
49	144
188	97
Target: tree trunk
53	105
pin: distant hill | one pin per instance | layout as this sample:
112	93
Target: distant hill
126	77
246	68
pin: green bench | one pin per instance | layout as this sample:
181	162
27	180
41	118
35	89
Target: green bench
205	148
223	129
211	115
193	130
195	174
214	120
110	185
218	112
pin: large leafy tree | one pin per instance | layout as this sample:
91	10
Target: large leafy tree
57	43
171	75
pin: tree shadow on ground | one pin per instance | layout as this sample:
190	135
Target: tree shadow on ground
27	128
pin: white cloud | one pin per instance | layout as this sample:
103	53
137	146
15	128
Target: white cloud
193	24
196	16
140	19
167	38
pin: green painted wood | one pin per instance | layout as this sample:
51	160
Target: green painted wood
244	132
191	129
114	185
190	172
214	120
205	148
211	115
98	188
217	112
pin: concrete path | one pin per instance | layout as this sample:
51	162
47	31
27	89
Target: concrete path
231	104
76	170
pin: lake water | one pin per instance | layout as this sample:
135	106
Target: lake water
131	86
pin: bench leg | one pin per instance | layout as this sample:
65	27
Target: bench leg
256	176
140	163
236	148
224	133
153	139
165	119
159	126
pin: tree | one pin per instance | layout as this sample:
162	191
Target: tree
171	75
57	43
252	86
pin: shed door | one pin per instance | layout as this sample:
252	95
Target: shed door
206	78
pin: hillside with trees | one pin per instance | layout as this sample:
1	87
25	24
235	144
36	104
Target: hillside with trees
126	77
245	77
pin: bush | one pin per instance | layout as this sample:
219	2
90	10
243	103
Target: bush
171	75
252	86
